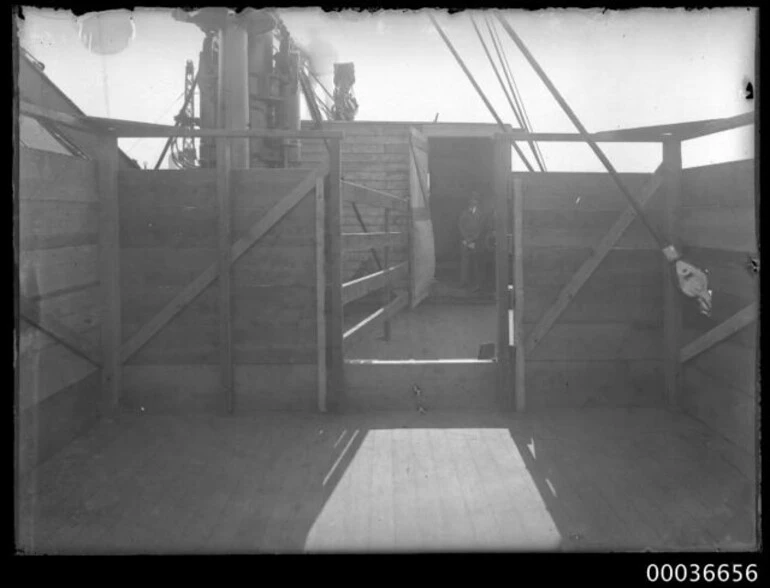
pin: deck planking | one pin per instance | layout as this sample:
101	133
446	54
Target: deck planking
569	480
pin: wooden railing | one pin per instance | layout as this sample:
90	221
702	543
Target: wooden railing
388	275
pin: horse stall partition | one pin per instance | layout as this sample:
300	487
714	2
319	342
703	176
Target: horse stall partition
58	358
593	318
719	353
173	313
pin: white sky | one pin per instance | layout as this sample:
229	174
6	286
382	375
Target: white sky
616	69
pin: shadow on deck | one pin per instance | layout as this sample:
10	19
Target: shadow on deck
598	480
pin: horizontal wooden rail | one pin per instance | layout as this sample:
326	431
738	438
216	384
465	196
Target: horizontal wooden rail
363	195
364	241
602	137
131	128
710	127
359	288
69	120
653	134
375	319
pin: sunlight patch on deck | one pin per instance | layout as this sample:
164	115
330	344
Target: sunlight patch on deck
433	490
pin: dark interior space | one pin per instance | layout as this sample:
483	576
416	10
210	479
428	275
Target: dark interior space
458	167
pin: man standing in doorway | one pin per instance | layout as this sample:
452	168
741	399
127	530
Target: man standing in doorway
471	224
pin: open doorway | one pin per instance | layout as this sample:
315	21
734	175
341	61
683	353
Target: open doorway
457	318
461	168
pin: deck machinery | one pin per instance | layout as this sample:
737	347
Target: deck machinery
247	78
263	74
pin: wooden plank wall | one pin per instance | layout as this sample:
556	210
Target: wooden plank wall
169	235
719	233
373	155
58	274
606	348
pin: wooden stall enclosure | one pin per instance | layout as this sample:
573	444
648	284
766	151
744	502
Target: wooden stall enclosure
59	352
169	239
720	363
593	311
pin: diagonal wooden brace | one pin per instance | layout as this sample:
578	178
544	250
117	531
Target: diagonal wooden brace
241	246
581	276
735	323
52	327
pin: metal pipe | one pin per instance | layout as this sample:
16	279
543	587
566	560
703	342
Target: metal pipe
234	89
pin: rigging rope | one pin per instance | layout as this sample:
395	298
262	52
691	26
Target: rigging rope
514	91
502	85
478	89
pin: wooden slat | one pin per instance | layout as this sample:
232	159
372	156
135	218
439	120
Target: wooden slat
364	195
619	136
52	176
732	184
518	296
672	311
50	224
725	410
502	171
589	267
195	288
599	341
733	229
334	268
50	325
131	128
109	270
651	134
224	198
575	383
708	127
386	293
49	272
366	241
375	320
735	323
82	123
360	287
576	192
320	291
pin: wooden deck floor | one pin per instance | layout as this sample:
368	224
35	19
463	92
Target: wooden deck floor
589	480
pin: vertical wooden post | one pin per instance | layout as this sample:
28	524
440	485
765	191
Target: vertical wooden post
109	271
518	294
225	299
387	289
672	310
320	290
502	167
334	317
410	254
